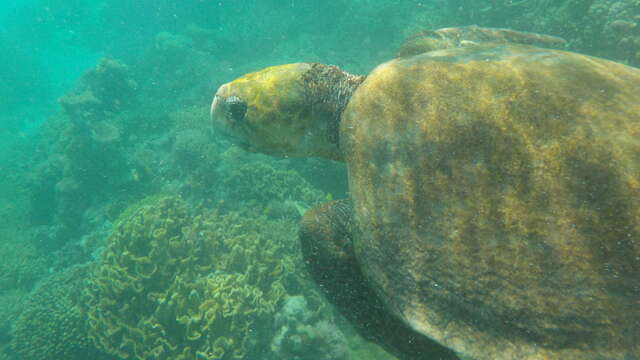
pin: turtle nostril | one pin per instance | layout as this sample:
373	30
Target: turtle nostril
236	107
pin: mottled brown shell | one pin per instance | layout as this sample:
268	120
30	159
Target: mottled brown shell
496	194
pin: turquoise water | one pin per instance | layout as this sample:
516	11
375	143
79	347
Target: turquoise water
132	229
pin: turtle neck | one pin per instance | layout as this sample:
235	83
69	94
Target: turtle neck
328	90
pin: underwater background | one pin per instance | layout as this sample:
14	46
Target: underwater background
130	230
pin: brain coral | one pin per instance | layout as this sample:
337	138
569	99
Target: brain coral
52	324
21	266
11	305
181	283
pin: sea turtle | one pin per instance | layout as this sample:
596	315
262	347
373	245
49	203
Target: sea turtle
494	208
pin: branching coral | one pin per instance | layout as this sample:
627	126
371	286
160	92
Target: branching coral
178	283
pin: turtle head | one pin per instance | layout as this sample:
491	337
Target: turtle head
289	110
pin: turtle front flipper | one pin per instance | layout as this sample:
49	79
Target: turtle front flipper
326	236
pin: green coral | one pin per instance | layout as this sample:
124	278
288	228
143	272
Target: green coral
52	324
21	266
258	185
190	118
11	304
133	208
193	144
182	283
102	91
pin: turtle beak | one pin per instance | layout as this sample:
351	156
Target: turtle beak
215	106
218	108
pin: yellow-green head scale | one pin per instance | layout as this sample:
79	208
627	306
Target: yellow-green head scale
287	110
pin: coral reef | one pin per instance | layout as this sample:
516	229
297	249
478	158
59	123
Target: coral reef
52	325
182	283
365	350
101	92
179	69
42	183
195	155
301	336
91	143
175	44
618	32
191	148
606	28
260	185
11	304
22	265
84	158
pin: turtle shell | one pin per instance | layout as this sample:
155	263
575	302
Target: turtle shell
446	38
496	193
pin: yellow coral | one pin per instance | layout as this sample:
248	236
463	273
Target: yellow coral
179	283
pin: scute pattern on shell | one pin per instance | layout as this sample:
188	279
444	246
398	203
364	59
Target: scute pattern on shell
505	182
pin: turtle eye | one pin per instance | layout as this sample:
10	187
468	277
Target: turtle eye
237	108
